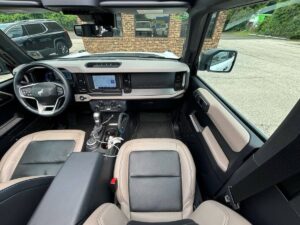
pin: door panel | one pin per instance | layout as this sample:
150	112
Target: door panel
15	121
10	119
7	102
219	140
215	149
233	132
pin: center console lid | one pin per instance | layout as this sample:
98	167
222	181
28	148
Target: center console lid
78	189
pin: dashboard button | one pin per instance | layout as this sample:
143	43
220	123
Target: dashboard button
82	98
27	92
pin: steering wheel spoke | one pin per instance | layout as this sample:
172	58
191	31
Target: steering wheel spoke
47	109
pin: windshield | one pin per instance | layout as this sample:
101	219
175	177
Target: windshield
51	35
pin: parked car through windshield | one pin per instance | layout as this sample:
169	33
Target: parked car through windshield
39	38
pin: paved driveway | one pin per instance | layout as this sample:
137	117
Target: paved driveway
77	43
265	83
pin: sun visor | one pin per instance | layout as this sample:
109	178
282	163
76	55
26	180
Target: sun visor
93	6
21	7
165	7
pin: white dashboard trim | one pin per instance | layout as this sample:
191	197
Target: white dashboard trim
165	93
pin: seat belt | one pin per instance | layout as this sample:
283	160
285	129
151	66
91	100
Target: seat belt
277	160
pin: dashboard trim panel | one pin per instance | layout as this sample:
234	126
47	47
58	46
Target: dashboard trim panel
134	95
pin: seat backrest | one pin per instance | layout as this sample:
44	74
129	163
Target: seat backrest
20	197
156	180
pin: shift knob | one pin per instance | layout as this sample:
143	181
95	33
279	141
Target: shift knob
96	117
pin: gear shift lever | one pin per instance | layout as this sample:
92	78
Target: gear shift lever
93	142
97	119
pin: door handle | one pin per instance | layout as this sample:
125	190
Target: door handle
203	104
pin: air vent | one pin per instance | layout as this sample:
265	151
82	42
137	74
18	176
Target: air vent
179	81
103	65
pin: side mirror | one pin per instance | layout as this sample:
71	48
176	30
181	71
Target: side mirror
92	30
217	60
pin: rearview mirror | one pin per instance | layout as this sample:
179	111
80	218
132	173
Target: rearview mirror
216	60
92	30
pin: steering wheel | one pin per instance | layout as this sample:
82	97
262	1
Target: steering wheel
48	95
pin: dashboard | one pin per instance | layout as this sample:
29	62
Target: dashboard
120	79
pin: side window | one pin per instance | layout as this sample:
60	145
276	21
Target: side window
148	25
53	27
15	32
264	83
212	24
35	28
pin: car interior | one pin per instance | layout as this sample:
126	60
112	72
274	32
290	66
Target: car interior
136	139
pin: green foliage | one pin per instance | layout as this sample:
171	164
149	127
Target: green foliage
182	16
240	13
67	21
285	22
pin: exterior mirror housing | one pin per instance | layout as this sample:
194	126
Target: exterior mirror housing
217	60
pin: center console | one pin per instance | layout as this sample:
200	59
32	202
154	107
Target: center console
108	132
108	105
81	185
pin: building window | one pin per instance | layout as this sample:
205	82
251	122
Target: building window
212	25
117	31
152	25
184	18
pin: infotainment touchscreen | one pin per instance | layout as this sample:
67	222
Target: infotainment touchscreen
104	81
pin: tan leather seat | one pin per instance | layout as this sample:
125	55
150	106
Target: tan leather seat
156	183
28	167
42	150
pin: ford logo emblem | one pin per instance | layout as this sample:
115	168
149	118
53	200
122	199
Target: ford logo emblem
41	92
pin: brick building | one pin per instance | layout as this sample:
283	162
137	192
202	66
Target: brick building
173	41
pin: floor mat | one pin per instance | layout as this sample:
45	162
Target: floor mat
154	125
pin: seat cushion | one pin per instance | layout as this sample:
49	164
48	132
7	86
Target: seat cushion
214	213
156	180
107	214
40	153
208	213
